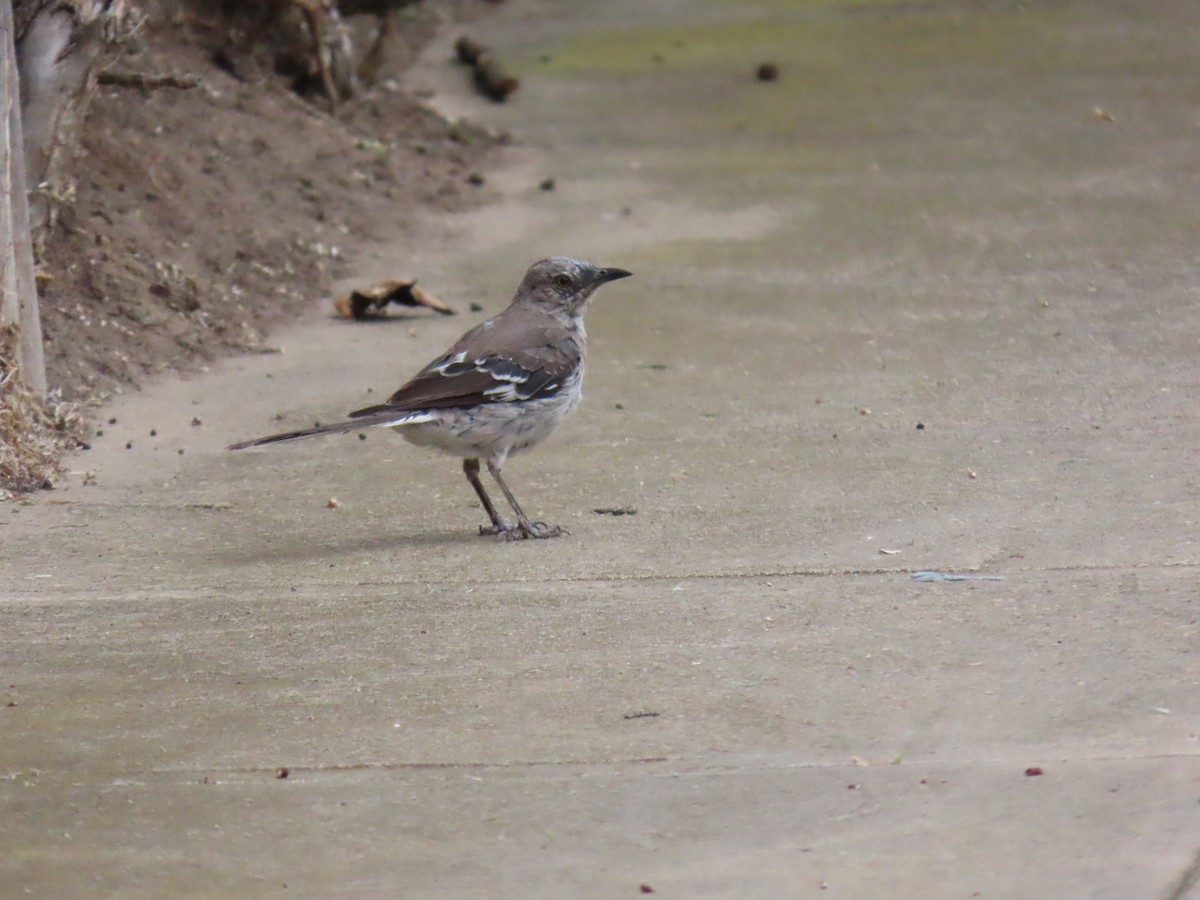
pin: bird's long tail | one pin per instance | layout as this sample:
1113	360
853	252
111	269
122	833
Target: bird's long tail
379	420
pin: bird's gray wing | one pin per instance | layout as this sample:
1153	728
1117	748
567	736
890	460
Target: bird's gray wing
484	367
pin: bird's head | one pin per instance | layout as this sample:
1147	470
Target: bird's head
563	284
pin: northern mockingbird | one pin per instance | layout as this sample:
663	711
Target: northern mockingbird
501	389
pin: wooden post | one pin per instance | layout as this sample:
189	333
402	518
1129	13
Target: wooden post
18	286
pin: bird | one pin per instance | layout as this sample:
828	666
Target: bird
501	389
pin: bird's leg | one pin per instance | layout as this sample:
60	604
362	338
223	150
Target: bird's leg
524	528
499	526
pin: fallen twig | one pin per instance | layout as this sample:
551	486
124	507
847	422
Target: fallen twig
146	80
615	511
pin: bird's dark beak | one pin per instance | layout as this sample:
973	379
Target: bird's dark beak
602	276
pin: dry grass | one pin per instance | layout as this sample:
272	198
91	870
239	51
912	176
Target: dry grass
35	434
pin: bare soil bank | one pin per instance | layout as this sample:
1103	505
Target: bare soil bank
203	217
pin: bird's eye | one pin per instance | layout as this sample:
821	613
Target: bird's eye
563	281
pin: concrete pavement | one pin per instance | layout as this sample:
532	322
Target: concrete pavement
976	221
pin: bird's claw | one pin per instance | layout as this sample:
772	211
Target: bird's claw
524	530
542	530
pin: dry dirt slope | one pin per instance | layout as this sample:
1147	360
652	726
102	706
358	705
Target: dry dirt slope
202	217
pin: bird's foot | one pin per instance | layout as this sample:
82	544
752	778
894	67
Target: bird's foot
542	530
496	529
523	530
